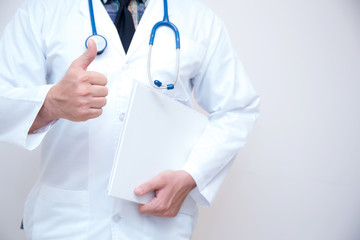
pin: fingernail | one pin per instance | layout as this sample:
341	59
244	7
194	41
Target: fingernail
139	190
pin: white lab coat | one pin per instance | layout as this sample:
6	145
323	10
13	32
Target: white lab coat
70	200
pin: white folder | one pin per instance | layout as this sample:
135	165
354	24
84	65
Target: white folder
159	134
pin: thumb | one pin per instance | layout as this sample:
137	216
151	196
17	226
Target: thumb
88	56
144	189
148	187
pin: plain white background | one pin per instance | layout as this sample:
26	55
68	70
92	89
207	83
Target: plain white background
298	177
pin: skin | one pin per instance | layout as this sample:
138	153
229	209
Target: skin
171	189
80	96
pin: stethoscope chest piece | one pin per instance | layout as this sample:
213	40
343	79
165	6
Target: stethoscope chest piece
100	42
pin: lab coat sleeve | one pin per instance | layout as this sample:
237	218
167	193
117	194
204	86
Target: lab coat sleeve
23	85
223	89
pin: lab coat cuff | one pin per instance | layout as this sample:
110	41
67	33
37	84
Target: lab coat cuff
34	139
197	175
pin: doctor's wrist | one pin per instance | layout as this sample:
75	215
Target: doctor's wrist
44	116
188	180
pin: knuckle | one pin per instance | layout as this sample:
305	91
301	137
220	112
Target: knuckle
84	77
162	178
83	91
159	177
81	102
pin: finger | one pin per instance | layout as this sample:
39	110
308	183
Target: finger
88	56
98	102
96	78
153	185
150	207
94	113
88	114
98	91
159	206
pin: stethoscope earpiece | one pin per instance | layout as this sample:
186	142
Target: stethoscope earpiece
170	86
158	83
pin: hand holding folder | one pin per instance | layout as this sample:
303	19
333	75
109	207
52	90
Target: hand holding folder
159	134
172	187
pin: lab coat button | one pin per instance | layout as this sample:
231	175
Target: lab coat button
116	218
122	117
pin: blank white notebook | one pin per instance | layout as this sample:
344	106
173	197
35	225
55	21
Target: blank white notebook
159	134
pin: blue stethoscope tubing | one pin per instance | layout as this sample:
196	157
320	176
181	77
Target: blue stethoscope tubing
166	23
99	39
102	42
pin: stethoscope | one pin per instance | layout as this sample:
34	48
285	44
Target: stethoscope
101	44
99	40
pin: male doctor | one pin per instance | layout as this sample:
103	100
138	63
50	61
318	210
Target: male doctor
56	92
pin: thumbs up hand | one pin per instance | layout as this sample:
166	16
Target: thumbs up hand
80	95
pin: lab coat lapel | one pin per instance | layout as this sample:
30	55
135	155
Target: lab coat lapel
104	24
153	14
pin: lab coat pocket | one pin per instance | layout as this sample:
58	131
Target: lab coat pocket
61	214
189	207
180	227
191	58
163	228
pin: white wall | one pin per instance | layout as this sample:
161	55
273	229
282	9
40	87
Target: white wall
18	167
298	176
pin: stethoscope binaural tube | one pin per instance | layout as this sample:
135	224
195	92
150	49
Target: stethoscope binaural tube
165	22
100	41
101	44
